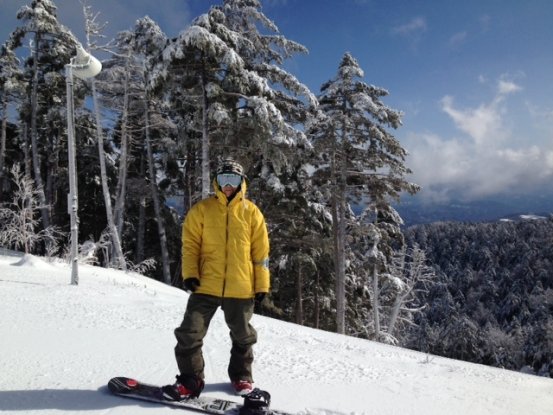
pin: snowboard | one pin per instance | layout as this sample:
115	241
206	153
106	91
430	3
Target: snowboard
134	389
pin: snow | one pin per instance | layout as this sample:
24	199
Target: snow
532	217
60	344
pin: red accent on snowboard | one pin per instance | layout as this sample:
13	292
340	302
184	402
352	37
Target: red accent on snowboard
131	383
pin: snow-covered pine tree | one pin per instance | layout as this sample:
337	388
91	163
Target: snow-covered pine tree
148	43
141	133
269	124
410	275
52	46
198	61
93	30
300	248
248	106
112	91
119	87
360	162
11	88
121	71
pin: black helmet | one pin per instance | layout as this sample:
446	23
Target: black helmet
230	166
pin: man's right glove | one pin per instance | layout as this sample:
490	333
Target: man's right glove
191	284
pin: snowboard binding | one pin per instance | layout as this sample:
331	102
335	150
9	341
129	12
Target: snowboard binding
256	403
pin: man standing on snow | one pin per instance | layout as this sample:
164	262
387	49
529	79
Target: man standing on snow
225	256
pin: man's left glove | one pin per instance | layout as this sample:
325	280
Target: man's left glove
259	297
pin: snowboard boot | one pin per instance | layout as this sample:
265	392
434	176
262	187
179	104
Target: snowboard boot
186	387
242	387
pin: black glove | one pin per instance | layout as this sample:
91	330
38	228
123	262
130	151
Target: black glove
259	297
191	284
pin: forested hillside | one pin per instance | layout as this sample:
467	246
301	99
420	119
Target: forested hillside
492	301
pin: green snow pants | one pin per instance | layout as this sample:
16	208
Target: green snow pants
190	335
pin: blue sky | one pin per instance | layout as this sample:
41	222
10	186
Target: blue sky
474	78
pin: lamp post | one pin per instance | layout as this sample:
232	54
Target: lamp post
83	66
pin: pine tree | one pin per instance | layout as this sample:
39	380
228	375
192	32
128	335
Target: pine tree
148	42
300	245
10	89
360	161
142	134
93	31
247	105
52	46
410	275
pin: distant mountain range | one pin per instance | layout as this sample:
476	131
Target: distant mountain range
415	210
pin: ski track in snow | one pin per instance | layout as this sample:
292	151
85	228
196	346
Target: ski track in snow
60	344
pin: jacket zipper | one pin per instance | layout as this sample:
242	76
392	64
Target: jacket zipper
226	253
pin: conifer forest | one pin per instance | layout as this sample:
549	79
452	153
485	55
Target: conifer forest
323	166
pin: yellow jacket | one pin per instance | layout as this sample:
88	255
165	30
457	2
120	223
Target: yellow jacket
226	246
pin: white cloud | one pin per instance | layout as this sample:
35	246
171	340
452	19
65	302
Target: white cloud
507	87
447	168
416	25
485	123
480	161
457	39
482	124
413	31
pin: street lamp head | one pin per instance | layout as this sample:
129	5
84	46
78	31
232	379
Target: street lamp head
84	65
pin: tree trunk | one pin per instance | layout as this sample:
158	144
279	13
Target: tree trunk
141	228
114	235
299	296
339	246
52	170
338	230
376	302
400	299
44	209
317	301
123	160
157	205
189	184
26	146
3	138
205	141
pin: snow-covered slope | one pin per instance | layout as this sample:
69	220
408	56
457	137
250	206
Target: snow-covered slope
60	344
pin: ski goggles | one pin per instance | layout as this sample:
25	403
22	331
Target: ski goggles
229	179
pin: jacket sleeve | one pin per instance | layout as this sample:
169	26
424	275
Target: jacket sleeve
192	242
260	253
